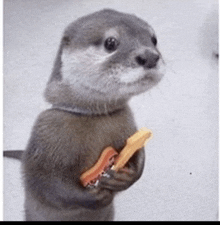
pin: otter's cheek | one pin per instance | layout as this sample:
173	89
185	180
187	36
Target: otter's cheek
132	76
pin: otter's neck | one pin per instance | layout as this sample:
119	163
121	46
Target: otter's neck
89	110
62	97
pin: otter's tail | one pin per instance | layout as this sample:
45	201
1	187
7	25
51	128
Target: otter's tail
16	154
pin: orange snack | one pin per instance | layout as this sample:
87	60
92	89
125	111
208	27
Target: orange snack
110	159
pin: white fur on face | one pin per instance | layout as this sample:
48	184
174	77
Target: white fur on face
132	75
82	63
82	70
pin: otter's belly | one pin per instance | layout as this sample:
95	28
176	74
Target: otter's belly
36	211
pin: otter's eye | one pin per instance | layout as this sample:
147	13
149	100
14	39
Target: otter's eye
154	40
111	44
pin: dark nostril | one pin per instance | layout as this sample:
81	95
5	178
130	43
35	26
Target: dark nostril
141	61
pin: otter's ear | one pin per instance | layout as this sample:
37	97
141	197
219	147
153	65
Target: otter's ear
66	40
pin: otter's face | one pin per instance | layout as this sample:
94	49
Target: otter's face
110	55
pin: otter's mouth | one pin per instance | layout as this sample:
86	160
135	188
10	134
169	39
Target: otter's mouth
152	76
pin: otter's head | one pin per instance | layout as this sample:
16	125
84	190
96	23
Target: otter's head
103	60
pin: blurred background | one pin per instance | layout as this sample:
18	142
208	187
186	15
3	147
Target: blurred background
180	179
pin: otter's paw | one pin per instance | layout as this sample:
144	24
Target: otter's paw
118	181
102	197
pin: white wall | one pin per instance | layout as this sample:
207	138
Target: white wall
180	180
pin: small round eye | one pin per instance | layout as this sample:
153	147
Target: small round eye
111	44
154	40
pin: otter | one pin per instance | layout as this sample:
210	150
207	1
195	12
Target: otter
103	60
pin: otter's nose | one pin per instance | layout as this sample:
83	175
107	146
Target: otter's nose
148	59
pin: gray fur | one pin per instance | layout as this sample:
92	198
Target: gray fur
64	143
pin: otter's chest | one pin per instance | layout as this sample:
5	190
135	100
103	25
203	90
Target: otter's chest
97	133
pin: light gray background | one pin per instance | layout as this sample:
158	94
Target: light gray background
180	180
